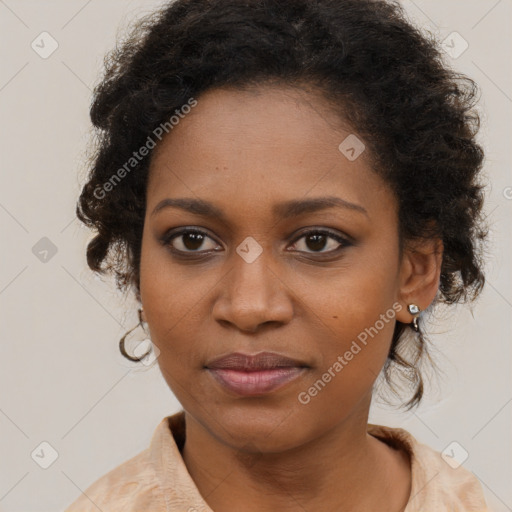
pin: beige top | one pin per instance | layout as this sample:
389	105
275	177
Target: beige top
157	480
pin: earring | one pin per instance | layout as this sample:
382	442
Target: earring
143	338
415	311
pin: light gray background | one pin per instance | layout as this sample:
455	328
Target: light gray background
62	379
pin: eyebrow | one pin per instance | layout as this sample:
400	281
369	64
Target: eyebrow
286	209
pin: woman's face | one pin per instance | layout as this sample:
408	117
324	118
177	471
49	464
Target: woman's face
275	268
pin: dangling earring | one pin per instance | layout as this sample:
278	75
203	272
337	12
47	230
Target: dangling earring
415	311
143	337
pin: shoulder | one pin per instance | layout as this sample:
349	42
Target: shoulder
439	481
155	479
131	486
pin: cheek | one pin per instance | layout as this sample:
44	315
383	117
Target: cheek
163	295
166	289
352	351
356	343
353	299
175	304
353	334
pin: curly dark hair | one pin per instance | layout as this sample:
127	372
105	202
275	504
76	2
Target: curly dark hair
385	77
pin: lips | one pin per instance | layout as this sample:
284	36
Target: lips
250	375
251	363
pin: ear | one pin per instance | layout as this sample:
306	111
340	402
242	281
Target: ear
419	275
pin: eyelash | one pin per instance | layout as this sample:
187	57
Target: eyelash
169	237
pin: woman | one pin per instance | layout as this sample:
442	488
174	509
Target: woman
286	186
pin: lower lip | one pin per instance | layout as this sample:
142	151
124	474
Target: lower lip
258	382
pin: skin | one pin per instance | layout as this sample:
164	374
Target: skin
245	151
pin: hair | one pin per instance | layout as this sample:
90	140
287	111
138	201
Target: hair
384	76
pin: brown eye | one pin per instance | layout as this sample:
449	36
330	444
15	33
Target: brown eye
190	240
195	241
318	240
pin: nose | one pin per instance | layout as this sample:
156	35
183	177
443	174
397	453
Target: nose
253	294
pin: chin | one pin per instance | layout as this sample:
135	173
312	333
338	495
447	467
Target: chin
258	429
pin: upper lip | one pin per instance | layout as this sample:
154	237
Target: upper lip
248	362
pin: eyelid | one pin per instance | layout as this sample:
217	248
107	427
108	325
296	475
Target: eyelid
342	238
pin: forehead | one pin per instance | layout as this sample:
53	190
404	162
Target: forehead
263	145
238	122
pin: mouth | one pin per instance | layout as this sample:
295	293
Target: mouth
252	375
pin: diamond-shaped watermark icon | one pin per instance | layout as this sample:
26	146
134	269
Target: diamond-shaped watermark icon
44	250
351	147
44	45
249	249
149	348
44	455
454	454
454	45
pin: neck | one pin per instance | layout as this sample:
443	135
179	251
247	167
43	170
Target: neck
344	468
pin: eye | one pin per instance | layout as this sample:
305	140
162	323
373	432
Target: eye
189	240
192	241
318	239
